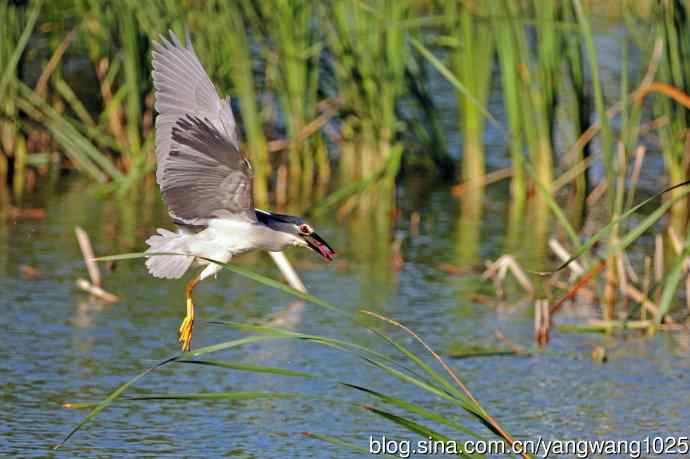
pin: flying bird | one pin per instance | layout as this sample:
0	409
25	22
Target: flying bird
206	180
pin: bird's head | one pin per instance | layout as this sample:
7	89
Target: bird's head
298	232
308	238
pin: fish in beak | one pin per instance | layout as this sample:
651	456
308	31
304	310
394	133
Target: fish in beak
319	246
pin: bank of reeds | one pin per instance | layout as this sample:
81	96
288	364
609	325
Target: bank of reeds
326	96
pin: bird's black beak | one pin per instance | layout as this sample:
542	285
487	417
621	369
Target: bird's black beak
320	246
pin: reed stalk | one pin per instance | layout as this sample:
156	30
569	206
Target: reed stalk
471	59
368	51
508	52
290	38
530	62
17	26
580	112
672	27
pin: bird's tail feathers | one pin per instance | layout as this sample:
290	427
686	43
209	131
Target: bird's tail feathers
168	266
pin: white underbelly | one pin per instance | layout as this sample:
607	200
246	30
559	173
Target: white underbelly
220	241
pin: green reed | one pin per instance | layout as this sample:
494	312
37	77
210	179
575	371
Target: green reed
368	51
529	38
672	27
17	27
111	36
471	59
509	51
293	46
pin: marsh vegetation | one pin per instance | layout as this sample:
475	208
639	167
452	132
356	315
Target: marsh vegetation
566	121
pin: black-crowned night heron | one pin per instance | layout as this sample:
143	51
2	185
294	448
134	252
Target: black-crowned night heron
206	181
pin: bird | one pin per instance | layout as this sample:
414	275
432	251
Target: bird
206	181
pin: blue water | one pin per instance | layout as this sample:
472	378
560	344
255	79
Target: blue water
58	345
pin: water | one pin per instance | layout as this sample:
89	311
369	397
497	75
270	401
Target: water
60	346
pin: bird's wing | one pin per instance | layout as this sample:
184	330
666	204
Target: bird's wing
205	176
186	98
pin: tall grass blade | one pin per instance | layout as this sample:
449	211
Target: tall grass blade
416	409
250	368
448	75
417	428
10	70
555	208
227	396
435	376
122	388
606	137
672	280
363	352
110	398
237	270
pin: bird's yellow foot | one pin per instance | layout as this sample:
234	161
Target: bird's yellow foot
185	331
188	322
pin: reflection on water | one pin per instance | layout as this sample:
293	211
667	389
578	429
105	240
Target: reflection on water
59	346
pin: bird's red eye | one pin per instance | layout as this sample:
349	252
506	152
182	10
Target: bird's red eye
305	229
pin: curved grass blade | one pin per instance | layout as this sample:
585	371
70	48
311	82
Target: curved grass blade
359	350
416	409
652	218
11	68
119	390
457	396
417	428
304	296
110	398
227	345
249	368
433	373
277	285
427	387
237	270
448	75
672	280
555	208
483	416
376	359
228	396
370	356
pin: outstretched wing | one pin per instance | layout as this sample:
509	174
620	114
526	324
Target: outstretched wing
187	99
205	176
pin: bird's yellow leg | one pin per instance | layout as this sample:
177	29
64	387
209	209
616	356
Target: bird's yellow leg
188	322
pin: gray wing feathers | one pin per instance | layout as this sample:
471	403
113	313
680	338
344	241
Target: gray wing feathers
205	176
201	172
183	87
